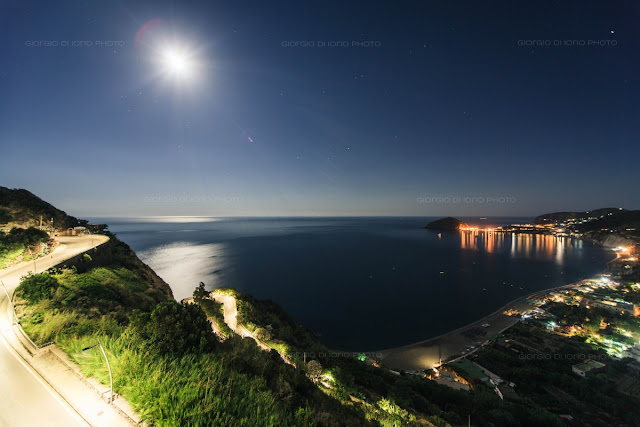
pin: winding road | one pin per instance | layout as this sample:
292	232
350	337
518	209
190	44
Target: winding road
231	313
25	397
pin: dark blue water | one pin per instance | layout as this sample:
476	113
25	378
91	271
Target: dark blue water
361	283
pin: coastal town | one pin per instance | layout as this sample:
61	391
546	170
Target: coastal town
574	350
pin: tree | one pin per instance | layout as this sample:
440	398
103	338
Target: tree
314	369
36	287
262	334
592	325
27	237
200	293
396	413
5	216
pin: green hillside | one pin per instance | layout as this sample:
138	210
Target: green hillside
554	217
24	209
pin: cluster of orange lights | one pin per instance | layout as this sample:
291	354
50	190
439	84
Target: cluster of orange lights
475	229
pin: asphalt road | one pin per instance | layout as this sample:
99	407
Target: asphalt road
25	398
69	247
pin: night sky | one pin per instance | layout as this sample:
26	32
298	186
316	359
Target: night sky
114	108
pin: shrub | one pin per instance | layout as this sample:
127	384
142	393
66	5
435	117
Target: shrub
97	291
27	237
5	216
262	334
36	287
314	369
173	329
63	296
36	317
200	293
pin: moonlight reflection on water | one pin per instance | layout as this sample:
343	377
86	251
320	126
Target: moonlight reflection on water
183	265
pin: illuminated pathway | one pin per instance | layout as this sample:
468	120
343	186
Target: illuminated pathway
231	319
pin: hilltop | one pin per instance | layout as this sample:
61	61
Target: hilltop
446	224
609	226
619	221
554	217
620	228
21	208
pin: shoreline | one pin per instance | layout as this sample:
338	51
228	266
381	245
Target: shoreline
448	346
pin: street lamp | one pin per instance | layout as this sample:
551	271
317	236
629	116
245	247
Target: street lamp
108	366
10	302
34	261
91	236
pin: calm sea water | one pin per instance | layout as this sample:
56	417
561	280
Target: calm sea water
360	283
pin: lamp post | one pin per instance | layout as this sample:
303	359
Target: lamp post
34	261
13	311
108	366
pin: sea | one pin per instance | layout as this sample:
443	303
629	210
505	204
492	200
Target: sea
361	283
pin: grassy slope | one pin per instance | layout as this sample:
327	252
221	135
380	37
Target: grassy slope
11	253
425	400
237	384
20	245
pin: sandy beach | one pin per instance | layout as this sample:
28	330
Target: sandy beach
428	354
452	345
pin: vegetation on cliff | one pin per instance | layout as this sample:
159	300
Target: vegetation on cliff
383	396
24	209
21	244
554	217
446	224
166	361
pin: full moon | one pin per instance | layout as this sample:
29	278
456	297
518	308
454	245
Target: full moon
177	63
